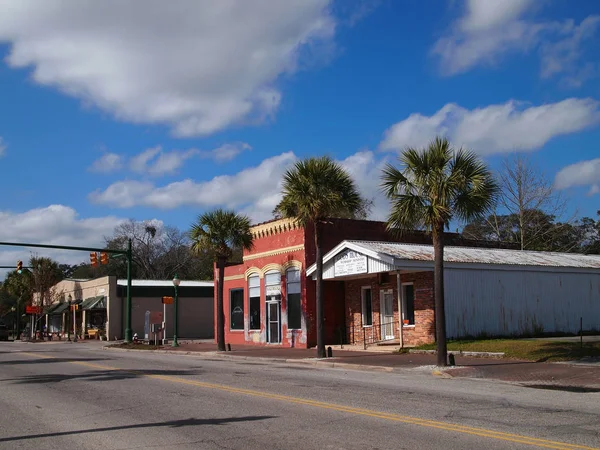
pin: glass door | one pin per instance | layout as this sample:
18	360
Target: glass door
387	314
273	322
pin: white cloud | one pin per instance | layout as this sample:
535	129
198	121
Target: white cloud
198	66
54	225
254	191
245	189
2	147
490	30
109	162
583	173
486	14
564	55
495	128
154	161
226	152
365	169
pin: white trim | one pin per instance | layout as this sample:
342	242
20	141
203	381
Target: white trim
351	246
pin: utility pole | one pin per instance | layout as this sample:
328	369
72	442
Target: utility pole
128	331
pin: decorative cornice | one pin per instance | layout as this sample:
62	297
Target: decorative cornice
279	251
253	271
234	277
289	264
275	227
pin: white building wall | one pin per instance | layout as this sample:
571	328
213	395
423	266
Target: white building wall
517	302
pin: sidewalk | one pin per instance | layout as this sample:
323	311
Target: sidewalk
564	376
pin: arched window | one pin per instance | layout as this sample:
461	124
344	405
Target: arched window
273	285
294	299
254	300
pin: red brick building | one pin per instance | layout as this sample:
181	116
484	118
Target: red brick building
269	299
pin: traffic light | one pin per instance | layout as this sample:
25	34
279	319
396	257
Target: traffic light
94	259
104	258
19	266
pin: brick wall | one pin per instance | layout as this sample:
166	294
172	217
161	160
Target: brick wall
255	260
421	333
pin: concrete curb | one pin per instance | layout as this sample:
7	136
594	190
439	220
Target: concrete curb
461	353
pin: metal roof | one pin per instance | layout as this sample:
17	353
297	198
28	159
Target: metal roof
159	283
395	253
414	252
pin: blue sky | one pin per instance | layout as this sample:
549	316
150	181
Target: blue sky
162	112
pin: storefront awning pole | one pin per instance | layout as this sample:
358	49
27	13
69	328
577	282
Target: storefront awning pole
399	290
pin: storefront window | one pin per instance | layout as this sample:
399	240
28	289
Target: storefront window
408	304
273	285
236	304
294	308
254	295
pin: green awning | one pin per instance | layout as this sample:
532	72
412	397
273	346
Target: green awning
50	309
98	302
60	308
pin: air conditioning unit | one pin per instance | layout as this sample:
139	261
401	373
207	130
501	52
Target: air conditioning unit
383	278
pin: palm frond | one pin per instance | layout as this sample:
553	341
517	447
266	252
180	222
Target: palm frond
316	188
220	232
436	183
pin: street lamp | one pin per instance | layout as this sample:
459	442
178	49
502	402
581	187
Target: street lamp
176	282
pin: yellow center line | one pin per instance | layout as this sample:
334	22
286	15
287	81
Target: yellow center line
446	426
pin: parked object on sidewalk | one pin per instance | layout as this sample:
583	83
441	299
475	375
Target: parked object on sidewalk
3	332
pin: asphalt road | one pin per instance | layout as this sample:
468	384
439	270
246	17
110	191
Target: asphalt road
79	396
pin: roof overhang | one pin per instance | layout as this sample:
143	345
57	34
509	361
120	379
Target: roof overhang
372	262
379	256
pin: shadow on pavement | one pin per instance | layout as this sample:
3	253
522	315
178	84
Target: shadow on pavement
98	375
52	360
171	423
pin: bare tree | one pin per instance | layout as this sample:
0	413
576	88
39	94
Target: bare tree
529	211
45	274
159	252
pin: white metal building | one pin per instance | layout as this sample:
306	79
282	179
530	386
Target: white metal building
488	292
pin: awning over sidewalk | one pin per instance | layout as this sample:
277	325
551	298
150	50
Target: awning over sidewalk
98	302
50	309
60	308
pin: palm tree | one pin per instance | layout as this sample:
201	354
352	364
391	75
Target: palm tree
221	233
314	189
435	185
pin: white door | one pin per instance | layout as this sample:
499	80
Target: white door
273	322
387	314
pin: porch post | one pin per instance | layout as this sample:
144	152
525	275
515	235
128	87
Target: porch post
83	324
399	289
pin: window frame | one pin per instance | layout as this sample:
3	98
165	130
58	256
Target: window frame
362	305
231	291
287	296
405	305
253	276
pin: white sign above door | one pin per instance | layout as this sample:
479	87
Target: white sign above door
349	263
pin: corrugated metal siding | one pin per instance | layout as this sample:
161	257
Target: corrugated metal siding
500	302
373	266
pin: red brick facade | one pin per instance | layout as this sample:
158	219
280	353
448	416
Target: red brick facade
422	332
281	245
